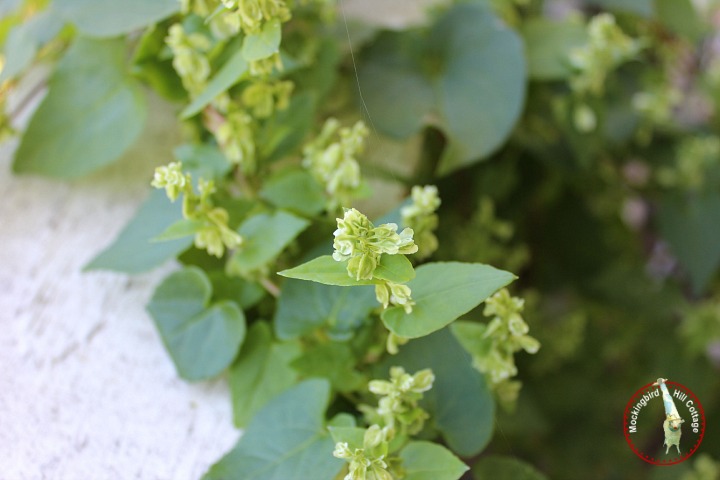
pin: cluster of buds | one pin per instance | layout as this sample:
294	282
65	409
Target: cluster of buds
398	405
253	14
608	47
264	96
368	462
333	163
421	218
212	232
189	58
223	23
360	242
506	334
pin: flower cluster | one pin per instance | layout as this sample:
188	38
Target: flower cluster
223	23
608	47
263	97
172	178
212	232
368	462
360	242
333	163
189	58
398	405
506	334
253	14
421	217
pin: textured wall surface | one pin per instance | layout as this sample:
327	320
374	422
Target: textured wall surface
87	390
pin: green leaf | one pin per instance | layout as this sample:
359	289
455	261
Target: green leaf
110	18
264	237
324	270
181	228
92	113
283	133
498	467
132	251
354	436
460	404
471	336
244	293
682	17
442	292
25	39
286	440
202	340
441	78
261	372
307	306
691	225
333	361
548	45
202	161
395	269
264	43
430	461
295	190
232	71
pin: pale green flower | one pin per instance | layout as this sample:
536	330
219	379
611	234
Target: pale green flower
360	242
172	179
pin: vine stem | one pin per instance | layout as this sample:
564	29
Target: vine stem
271	288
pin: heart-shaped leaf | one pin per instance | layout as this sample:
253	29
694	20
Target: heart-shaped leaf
466	76
261	372
286	440
93	112
442	292
202	340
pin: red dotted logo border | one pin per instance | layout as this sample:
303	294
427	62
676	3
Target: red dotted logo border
649	458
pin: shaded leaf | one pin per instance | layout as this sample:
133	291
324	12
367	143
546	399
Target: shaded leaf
202	340
110	18
25	39
691	225
202	161
264	237
441	78
261	372
294	190
306	306
286	440
460	404
333	361
442	292
132	251
264	43
92	113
